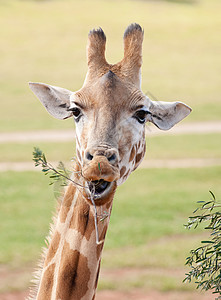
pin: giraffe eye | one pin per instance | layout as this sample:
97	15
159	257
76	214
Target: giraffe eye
140	116
76	113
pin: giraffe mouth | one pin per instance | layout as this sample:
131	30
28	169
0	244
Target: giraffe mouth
99	188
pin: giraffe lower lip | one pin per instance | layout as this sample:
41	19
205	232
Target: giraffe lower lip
99	188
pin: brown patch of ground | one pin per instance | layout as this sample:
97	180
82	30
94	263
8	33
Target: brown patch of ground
11	279
18	279
69	134
14	295
131	295
151	295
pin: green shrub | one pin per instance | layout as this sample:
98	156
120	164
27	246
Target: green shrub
205	261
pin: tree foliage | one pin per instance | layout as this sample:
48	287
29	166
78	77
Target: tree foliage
205	261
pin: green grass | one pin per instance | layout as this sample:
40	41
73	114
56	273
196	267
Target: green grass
22	152
184	146
26	208
147	231
153	203
141	216
181	54
146	234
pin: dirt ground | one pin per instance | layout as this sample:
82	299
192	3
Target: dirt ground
69	134
132	295
19	278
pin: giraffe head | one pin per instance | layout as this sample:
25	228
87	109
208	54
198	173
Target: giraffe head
110	112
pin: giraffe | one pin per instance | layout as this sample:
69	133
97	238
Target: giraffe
110	112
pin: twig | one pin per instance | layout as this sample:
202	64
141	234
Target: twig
39	158
95	217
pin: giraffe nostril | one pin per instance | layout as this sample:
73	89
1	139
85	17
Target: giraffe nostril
109	154
88	156
113	157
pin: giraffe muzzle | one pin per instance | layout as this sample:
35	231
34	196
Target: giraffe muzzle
101	175
100	168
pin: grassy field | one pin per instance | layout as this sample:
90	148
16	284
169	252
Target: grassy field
146	242
146	229
46	40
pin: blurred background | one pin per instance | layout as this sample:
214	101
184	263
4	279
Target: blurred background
146	245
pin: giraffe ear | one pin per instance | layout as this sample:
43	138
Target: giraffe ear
166	114
55	99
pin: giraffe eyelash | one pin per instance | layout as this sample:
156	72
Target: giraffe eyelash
141	115
76	113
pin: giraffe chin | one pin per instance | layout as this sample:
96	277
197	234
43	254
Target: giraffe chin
102	191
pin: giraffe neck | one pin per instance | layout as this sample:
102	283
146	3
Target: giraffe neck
72	262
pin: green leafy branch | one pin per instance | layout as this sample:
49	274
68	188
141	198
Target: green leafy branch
63	175
205	261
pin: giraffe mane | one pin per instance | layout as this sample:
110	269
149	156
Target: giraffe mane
36	276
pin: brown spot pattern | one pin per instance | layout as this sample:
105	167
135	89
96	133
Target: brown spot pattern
47	283
138	157
82	219
74	275
138	146
122	171
144	148
128	172
53	247
132	154
67	201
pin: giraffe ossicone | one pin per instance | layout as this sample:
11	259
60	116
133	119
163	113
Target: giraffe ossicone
110	112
